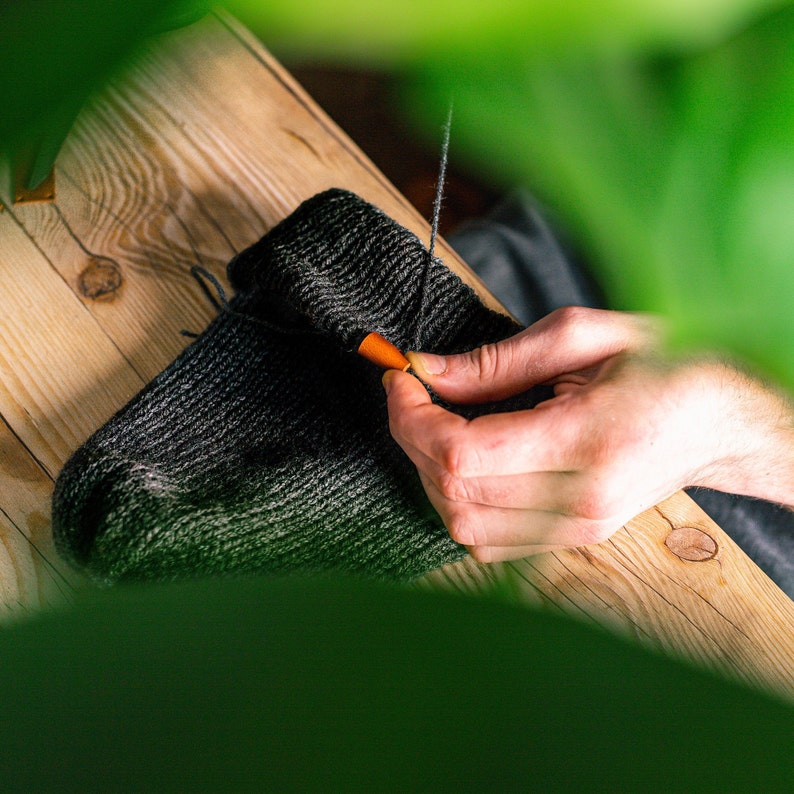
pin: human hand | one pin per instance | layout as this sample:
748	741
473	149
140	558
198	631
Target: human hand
624	430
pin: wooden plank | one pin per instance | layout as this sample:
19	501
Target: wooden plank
698	600
203	147
31	576
61	376
203	187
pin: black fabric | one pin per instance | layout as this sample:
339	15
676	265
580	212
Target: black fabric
265	445
519	256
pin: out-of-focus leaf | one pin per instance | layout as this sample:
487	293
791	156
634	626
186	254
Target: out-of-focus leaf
660	131
409	29
291	684
587	134
677	175
53	53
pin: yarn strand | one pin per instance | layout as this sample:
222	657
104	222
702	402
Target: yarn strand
202	276
442	173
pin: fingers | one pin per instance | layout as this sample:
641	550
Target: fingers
496	445
490	511
549	491
483	527
566	341
512	484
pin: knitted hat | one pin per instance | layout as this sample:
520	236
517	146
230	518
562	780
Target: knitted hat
265	445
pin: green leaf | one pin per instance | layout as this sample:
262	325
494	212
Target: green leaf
54	53
676	174
404	30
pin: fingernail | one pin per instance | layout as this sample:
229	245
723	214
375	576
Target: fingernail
387	380
427	363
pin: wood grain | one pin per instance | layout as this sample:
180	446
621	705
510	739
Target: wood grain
203	146
30	574
719	609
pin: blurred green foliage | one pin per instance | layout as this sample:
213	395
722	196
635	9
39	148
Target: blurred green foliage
330	684
675	172
660	131
410	31
53	53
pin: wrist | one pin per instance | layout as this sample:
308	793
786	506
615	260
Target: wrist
755	447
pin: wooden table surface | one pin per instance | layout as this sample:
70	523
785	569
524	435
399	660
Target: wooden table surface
205	145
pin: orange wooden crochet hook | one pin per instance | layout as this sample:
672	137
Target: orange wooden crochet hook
382	352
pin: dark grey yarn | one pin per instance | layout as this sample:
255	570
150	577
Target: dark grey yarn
265	445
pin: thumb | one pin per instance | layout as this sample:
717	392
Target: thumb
490	372
565	341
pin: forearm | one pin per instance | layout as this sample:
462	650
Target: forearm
756	457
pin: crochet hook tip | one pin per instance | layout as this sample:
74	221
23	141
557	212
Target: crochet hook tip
380	351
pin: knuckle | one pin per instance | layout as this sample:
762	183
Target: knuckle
487	361
397	431
459	458
592	532
453	487
592	504
568	315
394	425
458	527
397	412
568	319
600	501
462	528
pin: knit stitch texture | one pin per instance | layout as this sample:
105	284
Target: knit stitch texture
265	445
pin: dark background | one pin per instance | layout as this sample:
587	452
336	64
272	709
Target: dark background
364	105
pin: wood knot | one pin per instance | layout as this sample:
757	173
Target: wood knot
100	279
691	544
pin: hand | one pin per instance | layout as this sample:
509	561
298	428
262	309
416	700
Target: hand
624	430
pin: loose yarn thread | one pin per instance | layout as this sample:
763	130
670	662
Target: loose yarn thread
202	275
442	173
219	301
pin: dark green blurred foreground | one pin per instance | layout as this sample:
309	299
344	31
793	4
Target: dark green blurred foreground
336	684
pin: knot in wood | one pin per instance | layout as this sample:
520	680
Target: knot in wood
691	544
101	278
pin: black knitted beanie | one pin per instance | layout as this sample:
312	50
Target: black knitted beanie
265	445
